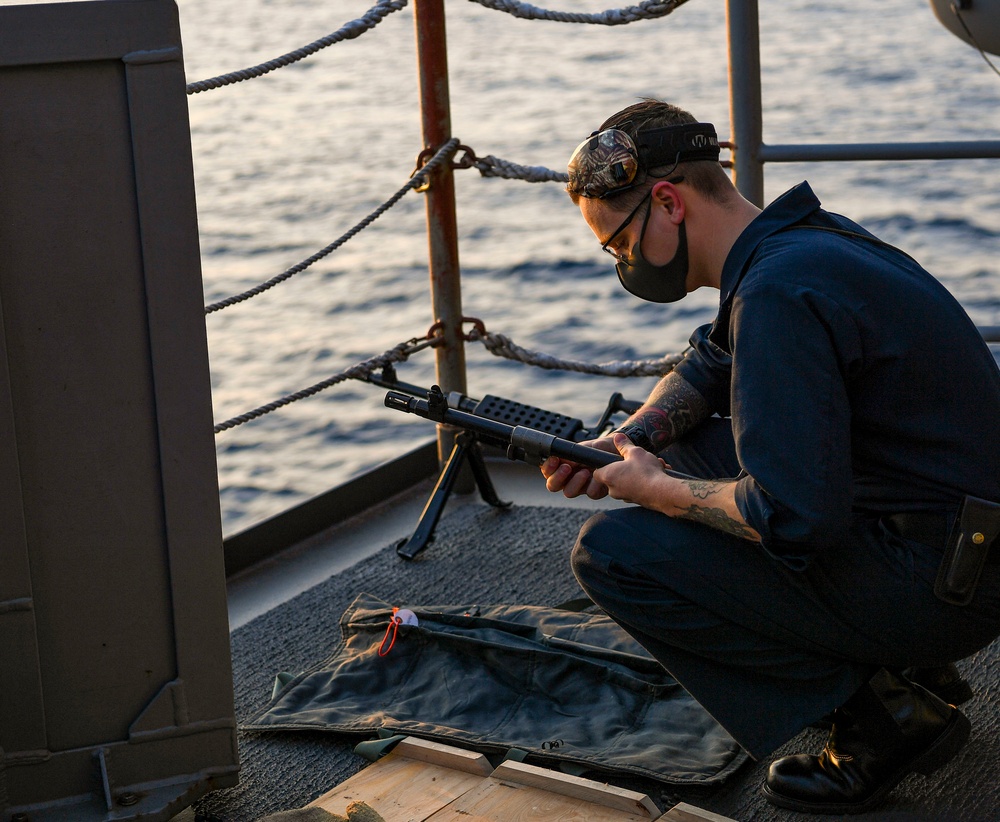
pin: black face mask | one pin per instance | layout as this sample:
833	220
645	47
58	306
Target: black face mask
657	283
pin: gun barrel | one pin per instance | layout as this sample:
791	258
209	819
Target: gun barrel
399	402
541	444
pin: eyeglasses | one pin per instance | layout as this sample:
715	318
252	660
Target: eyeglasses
609	162
606	245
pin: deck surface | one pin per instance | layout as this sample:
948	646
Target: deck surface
520	556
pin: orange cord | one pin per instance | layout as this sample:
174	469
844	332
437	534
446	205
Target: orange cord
393	626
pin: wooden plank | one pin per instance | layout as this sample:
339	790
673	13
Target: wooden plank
446	756
400	789
423	781
496	800
682	812
577	788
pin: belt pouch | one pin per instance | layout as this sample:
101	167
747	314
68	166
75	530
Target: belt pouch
975	529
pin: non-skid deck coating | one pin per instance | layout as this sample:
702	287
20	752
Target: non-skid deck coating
483	556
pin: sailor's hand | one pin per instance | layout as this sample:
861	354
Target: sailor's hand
574	479
638	478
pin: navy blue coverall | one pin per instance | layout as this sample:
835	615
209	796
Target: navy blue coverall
850	387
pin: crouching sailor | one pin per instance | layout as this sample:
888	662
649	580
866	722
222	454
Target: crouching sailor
835	560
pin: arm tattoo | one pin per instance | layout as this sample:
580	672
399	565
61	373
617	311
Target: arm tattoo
678	408
703	489
717	518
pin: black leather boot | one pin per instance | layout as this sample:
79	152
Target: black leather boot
888	729
944	681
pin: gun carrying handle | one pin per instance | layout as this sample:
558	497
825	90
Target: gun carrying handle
615	404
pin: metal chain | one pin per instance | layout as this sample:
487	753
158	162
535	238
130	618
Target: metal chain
646	10
417	180
399	353
371	18
502	346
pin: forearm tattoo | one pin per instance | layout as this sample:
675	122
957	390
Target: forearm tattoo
719	519
677	408
703	489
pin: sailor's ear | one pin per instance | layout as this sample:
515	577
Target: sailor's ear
666	194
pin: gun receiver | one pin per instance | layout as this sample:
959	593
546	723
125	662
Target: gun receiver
521	443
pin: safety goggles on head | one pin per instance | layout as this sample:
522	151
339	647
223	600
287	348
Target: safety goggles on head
609	162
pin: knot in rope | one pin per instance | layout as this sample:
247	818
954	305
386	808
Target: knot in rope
502	346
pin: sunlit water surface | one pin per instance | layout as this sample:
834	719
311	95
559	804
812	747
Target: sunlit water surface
288	162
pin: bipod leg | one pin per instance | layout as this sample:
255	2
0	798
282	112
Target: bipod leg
482	476
424	533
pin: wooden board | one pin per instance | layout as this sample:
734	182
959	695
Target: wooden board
421	781
683	812
411	783
576	788
435	753
497	800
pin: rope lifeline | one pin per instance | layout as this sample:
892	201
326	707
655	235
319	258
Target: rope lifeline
490	166
502	346
497	344
646	10
414	182
362	369
375	15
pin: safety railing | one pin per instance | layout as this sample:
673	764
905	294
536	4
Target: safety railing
442	155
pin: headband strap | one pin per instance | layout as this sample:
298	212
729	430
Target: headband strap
683	143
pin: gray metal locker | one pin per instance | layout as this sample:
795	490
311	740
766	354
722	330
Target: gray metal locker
115	675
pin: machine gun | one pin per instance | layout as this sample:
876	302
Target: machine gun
520	442
486	421
523	432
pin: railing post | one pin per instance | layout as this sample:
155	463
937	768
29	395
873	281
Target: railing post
745	98
442	229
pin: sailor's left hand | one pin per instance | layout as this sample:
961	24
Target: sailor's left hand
573	479
639	478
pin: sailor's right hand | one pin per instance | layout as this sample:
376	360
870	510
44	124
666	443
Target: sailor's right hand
573	479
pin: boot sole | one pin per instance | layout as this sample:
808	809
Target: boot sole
951	740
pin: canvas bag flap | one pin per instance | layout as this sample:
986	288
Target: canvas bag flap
564	687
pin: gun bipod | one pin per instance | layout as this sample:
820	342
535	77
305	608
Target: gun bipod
535	434
466	448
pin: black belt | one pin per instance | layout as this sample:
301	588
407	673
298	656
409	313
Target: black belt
929	528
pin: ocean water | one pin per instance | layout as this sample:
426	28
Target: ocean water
288	162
